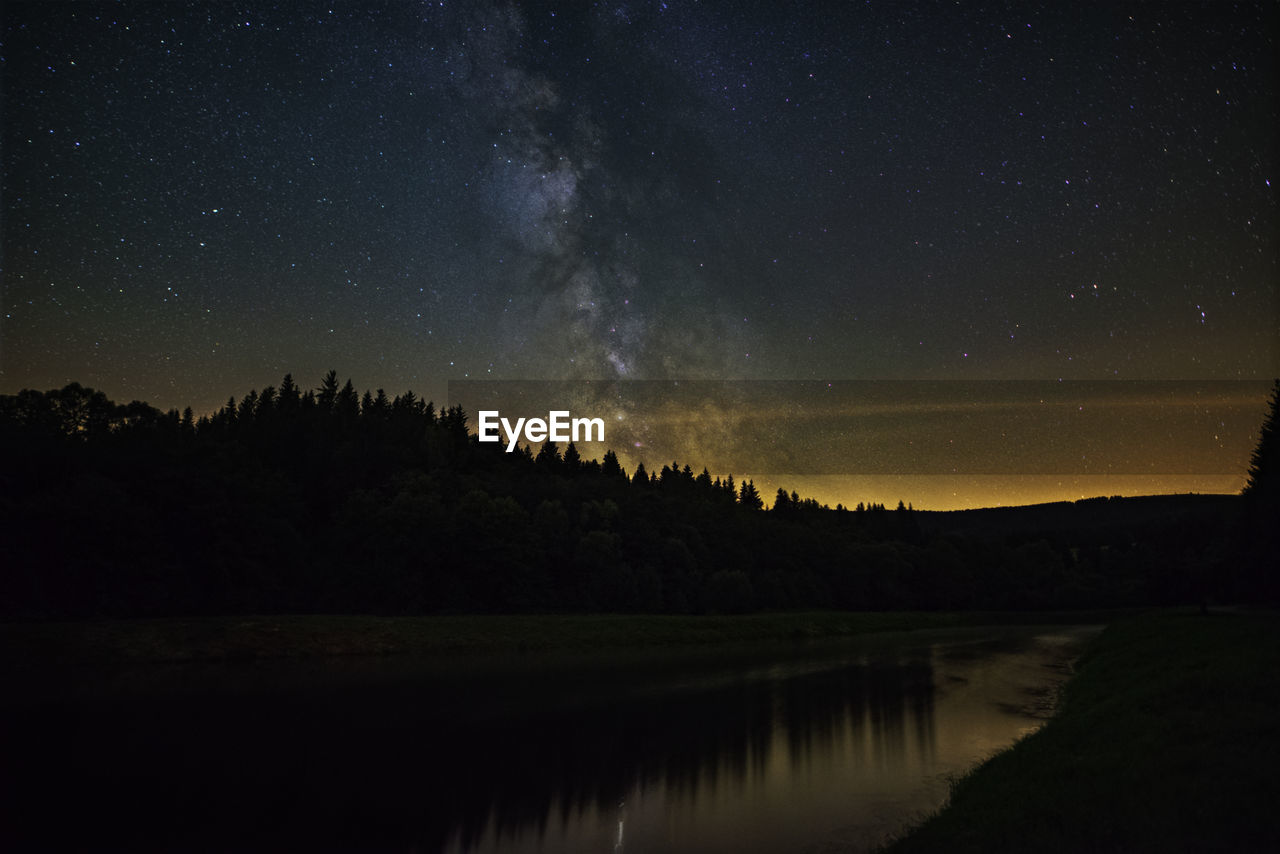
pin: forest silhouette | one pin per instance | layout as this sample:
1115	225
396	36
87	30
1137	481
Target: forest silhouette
331	501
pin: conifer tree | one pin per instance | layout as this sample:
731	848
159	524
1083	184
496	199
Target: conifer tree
347	404
549	455
266	402
289	394
1263	484
610	467
327	394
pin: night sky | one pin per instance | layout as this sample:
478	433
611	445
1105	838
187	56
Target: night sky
199	198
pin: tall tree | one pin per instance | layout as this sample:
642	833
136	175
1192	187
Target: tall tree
572	459
782	501
1264	480
347	404
548	455
289	394
1261	535
249	405
611	468
267	401
327	394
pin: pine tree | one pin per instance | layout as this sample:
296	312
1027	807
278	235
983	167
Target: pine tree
454	422
380	406
611	468
289	394
1259	535
249	405
1263	484
266	402
347	404
328	391
781	502
548	455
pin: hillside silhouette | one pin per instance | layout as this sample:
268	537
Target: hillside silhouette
329	500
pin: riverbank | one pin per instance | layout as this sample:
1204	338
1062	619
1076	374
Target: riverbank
1166	740
310	636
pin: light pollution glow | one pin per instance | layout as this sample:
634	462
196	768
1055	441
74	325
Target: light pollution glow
938	446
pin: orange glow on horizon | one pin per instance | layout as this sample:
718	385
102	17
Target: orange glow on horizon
955	492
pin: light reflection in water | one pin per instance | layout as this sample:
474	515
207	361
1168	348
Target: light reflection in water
827	754
814	748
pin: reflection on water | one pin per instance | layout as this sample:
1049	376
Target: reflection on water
801	748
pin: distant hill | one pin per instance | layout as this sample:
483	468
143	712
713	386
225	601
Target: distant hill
1066	517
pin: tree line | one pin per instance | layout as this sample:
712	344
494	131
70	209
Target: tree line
329	500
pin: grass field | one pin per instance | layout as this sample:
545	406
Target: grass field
1168	739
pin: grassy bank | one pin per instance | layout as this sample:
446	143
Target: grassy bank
213	638
1167	740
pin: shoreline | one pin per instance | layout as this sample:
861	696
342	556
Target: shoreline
1163	741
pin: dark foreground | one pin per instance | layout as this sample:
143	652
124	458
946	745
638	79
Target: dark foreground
260	735
1167	740
383	732
36	649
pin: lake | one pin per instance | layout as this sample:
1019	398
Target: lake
799	747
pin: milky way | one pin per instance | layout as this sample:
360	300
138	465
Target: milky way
199	198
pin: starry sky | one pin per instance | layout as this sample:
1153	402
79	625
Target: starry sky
201	197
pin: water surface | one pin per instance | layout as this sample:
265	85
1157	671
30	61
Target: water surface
818	747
